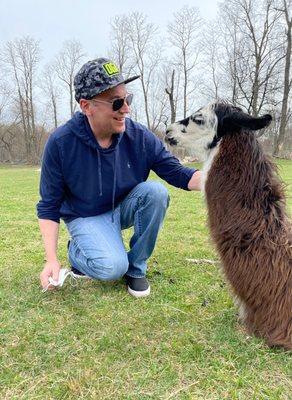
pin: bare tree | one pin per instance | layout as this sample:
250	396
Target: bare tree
158	103
212	61
9	135
137	49
256	51
120	50
233	50
286	6
51	90
146	53
183	33
172	79
21	57
6	134
170	88
222	51
5	98
68	62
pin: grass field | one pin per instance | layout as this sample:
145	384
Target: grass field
94	341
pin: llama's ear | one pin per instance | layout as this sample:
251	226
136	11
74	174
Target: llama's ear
241	120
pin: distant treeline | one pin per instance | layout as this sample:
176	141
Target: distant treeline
243	56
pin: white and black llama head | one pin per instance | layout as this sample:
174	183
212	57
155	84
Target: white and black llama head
204	128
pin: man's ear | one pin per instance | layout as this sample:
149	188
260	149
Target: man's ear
85	107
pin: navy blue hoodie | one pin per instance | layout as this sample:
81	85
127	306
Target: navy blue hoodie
81	179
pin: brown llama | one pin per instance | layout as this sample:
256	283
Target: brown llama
247	218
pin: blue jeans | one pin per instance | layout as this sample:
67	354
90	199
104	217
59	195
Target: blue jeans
97	247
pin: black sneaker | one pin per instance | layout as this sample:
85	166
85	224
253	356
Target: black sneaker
138	287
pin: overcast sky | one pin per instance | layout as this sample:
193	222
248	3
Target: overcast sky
54	21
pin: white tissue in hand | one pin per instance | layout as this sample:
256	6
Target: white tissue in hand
64	272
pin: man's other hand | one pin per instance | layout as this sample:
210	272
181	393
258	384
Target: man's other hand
52	269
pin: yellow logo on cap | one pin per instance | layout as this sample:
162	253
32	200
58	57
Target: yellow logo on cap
111	68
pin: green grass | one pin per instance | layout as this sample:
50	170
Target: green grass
94	341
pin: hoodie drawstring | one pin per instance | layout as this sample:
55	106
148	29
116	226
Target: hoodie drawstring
99	173
114	183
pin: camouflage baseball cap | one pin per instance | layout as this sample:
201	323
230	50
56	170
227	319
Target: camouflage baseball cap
96	76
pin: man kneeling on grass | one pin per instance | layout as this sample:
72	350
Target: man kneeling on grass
94	174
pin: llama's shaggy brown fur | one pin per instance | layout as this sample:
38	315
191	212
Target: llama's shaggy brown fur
253	235
246	211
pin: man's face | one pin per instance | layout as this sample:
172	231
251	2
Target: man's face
101	113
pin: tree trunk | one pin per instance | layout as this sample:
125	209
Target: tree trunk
54	103
170	93
145	102
185	84
287	86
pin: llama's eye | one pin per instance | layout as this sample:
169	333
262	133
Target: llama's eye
199	121
184	130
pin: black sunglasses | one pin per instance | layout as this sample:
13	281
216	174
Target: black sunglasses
117	103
